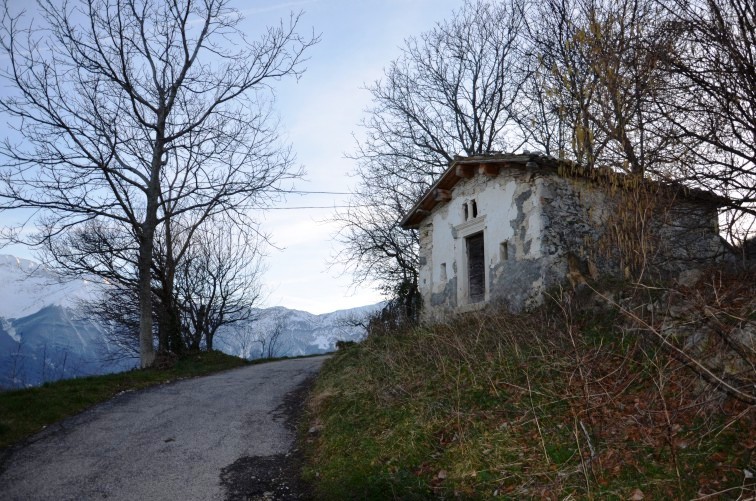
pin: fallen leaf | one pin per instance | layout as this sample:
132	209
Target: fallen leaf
718	457
636	495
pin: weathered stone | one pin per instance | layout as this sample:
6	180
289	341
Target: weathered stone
746	337
694	339
447	297
679	306
689	278
532	221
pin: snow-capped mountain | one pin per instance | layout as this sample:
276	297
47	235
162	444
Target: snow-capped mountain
26	287
279	331
44	337
50	344
41	336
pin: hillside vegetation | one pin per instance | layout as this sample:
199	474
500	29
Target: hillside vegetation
617	392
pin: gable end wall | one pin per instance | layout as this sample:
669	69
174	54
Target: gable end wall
542	230
509	215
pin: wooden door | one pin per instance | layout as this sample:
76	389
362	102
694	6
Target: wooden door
476	271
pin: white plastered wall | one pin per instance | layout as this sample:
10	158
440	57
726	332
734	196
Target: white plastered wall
498	217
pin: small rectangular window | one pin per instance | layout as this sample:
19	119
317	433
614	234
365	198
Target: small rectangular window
504	251
443	272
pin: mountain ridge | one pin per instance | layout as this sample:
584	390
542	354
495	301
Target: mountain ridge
44	335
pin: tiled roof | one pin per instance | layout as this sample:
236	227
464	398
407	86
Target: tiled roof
490	165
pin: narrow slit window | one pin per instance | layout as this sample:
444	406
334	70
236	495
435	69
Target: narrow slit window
467	214
443	272
504	251
474	208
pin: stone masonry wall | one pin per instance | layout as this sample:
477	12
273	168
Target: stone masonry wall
541	230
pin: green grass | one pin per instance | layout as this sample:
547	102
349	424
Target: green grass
25	412
529	406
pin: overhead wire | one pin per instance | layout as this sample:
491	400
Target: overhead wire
312	207
307	192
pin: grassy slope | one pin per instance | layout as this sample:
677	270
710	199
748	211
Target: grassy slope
24	412
523	407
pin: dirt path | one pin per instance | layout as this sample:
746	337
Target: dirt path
225	436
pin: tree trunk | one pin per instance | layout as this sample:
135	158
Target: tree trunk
160	309
171	316
146	350
175	340
147	246
169	322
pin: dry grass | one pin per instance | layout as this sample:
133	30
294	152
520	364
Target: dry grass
554	404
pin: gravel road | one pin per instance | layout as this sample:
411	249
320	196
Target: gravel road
225	436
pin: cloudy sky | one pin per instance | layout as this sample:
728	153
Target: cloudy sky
320	114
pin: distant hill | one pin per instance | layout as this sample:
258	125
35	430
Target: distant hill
50	344
44	337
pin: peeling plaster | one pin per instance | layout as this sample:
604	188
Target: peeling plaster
543	218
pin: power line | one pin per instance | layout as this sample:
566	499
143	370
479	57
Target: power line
305	192
310	207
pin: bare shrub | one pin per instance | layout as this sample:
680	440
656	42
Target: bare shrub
709	326
563	401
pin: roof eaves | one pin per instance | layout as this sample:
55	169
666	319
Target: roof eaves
451	177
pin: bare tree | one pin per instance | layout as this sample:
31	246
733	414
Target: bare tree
272	340
375	246
116	311
17	372
597	76
242	338
453	90
714	65
259	336
135	111
657	88
108	251
217	283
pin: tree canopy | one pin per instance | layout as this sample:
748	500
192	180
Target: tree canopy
661	89
138	112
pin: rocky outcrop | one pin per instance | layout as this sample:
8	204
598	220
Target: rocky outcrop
706	319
